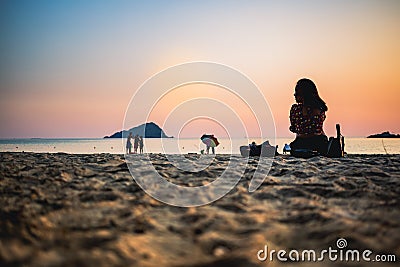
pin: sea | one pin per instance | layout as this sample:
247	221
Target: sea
353	145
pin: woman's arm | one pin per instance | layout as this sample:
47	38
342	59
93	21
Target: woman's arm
292	118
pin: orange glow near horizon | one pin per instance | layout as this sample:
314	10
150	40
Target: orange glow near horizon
67	72
207	94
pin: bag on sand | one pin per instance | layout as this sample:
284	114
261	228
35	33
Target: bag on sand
336	145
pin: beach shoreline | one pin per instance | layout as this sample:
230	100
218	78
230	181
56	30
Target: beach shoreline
61	209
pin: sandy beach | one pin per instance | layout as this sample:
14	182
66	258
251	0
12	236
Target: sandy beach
85	210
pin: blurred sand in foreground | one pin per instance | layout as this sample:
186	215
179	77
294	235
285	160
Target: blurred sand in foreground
85	210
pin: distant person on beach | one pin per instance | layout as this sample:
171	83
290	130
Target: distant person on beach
253	148
286	149
210	141
129	144
136	144
212	149
141	144
307	118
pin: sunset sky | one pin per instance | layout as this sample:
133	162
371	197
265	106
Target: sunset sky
70	68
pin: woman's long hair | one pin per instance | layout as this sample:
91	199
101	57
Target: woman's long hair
307	89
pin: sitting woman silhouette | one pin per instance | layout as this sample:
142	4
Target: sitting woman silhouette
307	118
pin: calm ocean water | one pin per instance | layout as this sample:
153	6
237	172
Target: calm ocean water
174	145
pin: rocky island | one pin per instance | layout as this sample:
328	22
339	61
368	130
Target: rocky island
147	130
384	135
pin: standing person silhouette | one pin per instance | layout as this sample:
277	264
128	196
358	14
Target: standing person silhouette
141	144
129	143
210	141
307	118
212	149
136	144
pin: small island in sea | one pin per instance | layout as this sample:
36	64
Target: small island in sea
384	135
147	130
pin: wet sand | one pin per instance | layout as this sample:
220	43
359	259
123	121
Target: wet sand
85	210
